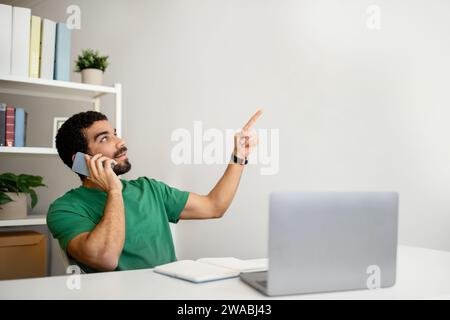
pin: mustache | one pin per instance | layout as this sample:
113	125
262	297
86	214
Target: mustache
122	150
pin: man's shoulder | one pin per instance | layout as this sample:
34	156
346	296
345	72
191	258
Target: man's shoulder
65	206
68	199
148	185
142	181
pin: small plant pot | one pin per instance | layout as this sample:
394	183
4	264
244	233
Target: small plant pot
92	76
16	209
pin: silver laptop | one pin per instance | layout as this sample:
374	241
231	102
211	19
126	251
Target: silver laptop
329	241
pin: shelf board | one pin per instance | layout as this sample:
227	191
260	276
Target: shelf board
53	88
31	220
29	150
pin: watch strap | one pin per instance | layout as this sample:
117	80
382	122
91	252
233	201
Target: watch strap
235	159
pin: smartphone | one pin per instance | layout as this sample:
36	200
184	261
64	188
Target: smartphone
80	166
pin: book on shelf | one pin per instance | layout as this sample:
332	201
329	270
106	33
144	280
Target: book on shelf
20	44
35	47
62	52
210	269
48	49
2	124
5	39
9	127
20	127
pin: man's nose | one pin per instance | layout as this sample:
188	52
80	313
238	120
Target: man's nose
120	143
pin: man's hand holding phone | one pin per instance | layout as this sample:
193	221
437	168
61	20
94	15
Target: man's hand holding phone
101	173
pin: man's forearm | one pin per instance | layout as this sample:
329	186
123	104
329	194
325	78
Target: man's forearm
106	241
223	193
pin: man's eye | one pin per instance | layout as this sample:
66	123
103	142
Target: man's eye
103	139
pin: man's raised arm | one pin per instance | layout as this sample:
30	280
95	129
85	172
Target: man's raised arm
216	203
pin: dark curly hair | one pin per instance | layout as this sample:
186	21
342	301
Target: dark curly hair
71	139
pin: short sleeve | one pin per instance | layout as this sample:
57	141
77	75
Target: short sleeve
174	200
65	224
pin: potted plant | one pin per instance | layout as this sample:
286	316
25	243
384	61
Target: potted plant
13	191
91	65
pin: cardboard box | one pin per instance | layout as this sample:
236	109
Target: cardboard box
23	254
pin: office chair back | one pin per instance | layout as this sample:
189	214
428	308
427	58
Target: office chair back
69	261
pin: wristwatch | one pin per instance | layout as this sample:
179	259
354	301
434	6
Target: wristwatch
238	160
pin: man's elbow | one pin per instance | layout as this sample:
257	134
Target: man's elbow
107	263
219	213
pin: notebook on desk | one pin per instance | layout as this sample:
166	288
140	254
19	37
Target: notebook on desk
210	269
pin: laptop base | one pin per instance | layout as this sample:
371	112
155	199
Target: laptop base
257	280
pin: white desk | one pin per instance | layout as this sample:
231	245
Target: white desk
422	274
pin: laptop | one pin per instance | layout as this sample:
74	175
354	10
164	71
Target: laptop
329	241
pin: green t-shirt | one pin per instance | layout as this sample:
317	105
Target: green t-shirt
149	207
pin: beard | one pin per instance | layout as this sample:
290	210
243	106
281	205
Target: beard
122	168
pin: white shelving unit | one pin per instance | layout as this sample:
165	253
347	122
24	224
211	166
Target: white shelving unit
53	89
71	91
28	150
31	220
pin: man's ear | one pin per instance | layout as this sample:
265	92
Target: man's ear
73	158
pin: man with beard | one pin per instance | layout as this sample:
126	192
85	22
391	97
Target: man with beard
111	224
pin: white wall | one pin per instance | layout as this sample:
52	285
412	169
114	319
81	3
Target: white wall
357	109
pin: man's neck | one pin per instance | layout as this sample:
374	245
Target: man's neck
89	184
